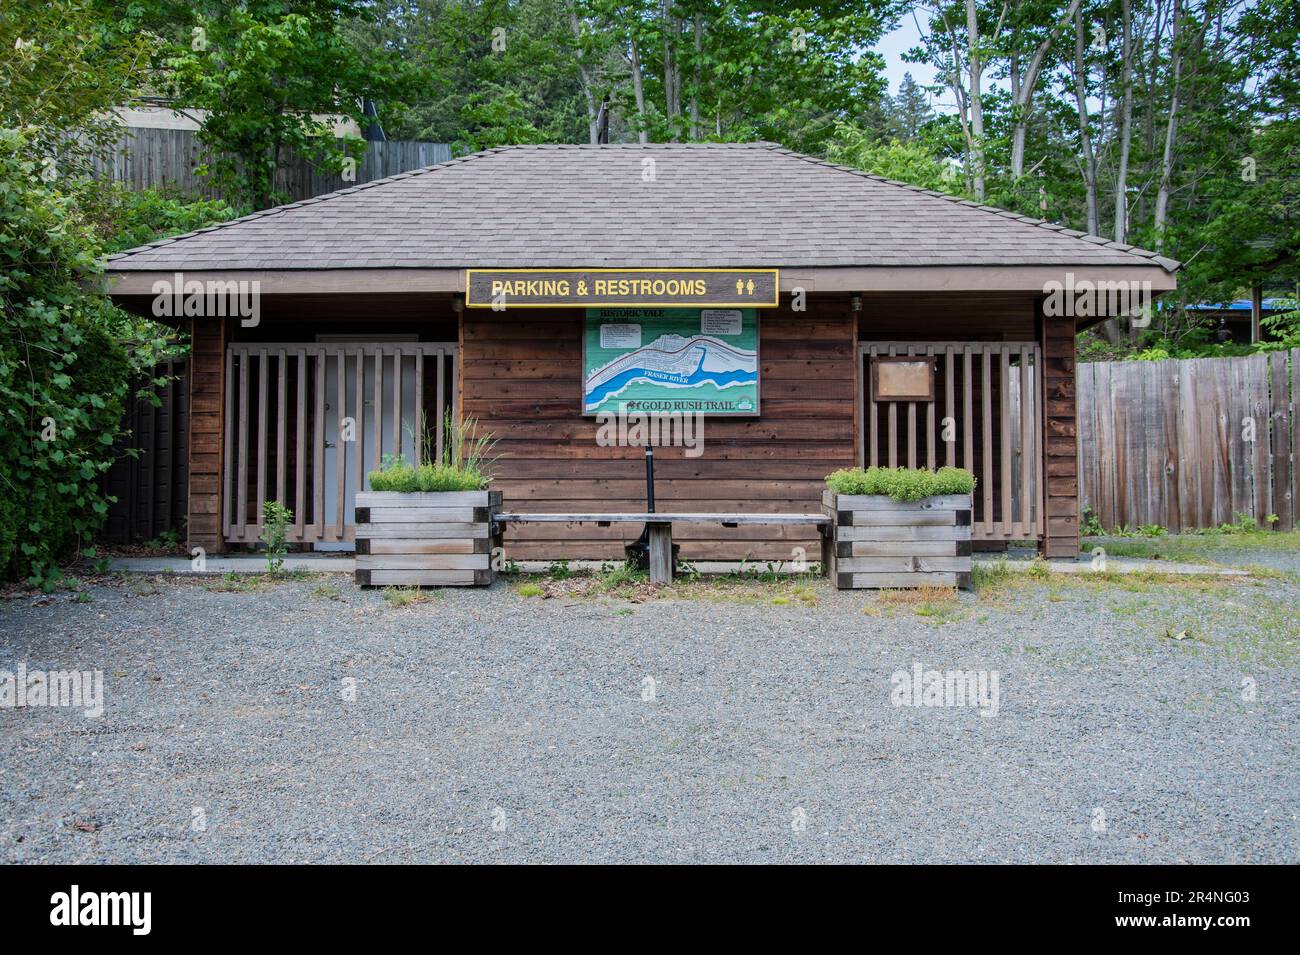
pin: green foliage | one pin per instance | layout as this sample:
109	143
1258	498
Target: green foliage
271	75
397	475
530	589
126	218
465	464
66	65
1090	524
902	484
909	162
276	519
66	360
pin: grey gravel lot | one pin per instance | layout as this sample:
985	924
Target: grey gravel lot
491	727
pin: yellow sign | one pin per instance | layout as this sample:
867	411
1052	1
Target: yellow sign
611	288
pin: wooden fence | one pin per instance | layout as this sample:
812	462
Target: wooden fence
145	158
1190	444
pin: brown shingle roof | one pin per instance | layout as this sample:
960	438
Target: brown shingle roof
743	204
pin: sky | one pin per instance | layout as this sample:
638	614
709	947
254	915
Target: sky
894	45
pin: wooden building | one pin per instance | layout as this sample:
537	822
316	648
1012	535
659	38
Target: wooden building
361	321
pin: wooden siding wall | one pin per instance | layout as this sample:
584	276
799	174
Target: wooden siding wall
207	383
522	380
938	317
1061	437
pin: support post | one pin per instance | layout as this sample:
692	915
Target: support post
661	552
1060	445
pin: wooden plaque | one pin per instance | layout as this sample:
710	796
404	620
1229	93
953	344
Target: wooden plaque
902	378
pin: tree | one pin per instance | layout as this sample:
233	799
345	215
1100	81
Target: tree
910	110
273	77
66	65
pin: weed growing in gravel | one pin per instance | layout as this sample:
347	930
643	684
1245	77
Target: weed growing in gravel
327	592
990	578
529	590
276	519
622	575
233	583
405	596
805	594
937	604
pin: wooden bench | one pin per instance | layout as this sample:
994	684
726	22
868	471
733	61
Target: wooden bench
660	527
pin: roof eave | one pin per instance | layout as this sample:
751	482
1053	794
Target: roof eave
1030	278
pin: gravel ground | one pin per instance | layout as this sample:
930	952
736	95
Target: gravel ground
491	727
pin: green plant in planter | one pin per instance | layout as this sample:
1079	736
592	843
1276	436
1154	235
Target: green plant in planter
901	484
465	464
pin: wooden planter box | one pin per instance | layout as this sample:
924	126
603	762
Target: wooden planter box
879	542
431	539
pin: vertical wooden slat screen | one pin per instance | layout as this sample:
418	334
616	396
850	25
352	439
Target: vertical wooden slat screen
262	363
318	449
241	475
950	419
419	406
259	428
1005	431
300	455
227	499
340	445
986	407
1028	446
282	382
991	396
358	416
397	402
437	424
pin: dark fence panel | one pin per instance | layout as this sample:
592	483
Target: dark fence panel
151	486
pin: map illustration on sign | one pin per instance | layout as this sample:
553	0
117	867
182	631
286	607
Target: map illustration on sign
684	360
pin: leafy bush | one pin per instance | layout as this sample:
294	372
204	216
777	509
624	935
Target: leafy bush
463	467
902	484
126	218
67	358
